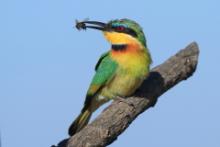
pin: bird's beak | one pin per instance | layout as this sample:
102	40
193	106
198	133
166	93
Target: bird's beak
91	24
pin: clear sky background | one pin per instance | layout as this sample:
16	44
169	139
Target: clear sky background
46	66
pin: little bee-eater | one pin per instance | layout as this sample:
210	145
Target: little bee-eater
120	71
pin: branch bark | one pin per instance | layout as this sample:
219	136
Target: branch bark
116	118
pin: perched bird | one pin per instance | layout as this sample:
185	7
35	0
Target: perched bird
120	71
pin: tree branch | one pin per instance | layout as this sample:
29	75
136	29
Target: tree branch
116	118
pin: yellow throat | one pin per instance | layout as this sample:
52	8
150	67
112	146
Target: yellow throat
120	38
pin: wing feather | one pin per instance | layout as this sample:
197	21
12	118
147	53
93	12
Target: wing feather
105	71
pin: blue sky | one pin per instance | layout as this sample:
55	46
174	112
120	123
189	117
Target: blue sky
46	66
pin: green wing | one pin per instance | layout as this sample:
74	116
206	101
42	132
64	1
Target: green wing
105	71
100	60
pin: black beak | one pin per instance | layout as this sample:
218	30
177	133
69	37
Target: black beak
91	24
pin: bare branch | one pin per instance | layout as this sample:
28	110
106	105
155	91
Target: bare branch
116	118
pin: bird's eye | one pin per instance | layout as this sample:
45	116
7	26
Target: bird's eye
120	28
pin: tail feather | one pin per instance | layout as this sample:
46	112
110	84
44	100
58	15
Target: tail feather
80	122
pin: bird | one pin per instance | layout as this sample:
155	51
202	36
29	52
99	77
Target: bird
119	71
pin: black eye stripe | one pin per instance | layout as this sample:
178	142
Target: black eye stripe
123	29
131	32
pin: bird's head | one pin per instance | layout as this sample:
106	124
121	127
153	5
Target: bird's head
117	32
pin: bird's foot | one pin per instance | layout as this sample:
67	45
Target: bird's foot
122	99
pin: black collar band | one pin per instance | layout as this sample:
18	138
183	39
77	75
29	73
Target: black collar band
119	47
